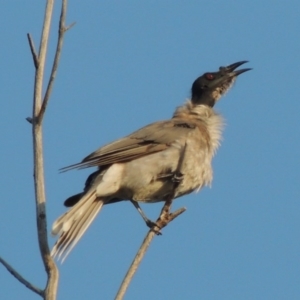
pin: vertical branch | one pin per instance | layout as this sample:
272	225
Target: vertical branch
39	107
39	183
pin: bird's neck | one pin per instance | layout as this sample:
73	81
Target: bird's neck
195	111
204	114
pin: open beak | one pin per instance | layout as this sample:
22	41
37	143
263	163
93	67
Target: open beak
230	69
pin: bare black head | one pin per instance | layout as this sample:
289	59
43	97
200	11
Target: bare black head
209	87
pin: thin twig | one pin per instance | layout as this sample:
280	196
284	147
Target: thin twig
61	31
33	52
70	26
29	120
21	278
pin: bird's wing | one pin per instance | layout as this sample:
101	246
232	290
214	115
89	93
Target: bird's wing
153	138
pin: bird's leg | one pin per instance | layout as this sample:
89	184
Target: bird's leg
165	215
148	222
178	175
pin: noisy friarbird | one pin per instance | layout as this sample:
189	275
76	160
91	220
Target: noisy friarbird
141	167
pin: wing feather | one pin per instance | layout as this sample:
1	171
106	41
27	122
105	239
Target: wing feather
147	140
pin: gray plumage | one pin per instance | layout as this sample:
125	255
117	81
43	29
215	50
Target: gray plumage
141	166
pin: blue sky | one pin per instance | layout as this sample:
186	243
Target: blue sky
124	65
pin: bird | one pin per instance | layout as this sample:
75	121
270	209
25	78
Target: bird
144	166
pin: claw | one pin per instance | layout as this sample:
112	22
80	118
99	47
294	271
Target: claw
177	178
153	225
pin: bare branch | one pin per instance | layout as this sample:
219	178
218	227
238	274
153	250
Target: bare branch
39	181
135	264
39	107
33	52
61	31
21	278
164	219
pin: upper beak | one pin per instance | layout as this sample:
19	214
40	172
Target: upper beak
229	72
230	69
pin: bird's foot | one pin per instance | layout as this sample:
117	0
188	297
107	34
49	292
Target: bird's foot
154	226
177	178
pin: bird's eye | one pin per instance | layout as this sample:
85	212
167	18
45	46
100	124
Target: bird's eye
209	76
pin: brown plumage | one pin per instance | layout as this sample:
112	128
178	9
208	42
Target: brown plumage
141	166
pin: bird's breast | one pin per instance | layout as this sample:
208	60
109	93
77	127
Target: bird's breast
151	178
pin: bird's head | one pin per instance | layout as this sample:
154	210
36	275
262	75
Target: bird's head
208	88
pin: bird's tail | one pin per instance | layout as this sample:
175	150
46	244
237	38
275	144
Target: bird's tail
72	225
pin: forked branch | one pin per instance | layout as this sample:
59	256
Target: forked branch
39	107
39	180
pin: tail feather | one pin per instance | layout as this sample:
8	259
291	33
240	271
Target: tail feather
76	233
72	225
63	223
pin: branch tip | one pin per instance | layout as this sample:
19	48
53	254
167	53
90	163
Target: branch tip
33	52
61	31
66	28
29	120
